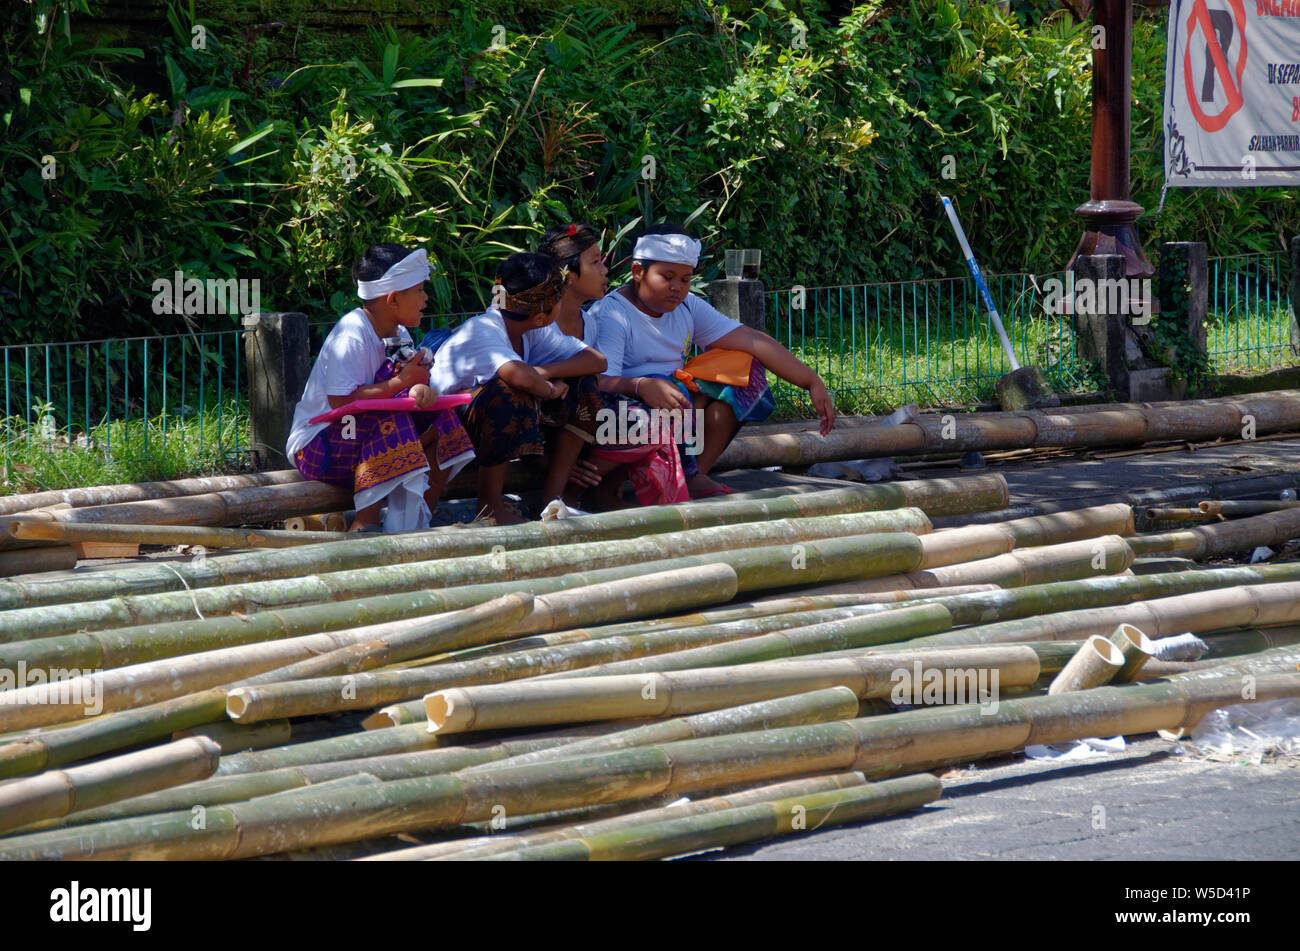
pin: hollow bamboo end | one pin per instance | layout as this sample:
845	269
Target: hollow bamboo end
237	703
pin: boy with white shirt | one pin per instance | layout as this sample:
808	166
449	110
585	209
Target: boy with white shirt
525	376
646	329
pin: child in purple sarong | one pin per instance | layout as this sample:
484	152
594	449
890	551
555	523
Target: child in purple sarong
401	459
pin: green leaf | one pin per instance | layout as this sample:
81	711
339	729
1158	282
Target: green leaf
409	83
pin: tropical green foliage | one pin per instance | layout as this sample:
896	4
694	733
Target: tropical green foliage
275	151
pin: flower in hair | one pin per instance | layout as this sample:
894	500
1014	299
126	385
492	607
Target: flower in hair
573	229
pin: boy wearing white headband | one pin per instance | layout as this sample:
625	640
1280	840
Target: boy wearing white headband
646	329
403	459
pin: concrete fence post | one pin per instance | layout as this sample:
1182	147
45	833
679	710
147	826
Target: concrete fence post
277	353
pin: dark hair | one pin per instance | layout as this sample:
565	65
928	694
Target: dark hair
567	248
523	272
377	259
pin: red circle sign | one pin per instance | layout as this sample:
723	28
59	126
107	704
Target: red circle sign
1200	17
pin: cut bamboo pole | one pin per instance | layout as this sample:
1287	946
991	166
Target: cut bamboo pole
153	681
956	545
933	497
1137	650
686	834
541	702
362	692
1096	663
818	707
1237	509
750	548
1224	538
311	818
487	845
61	791
325	522
814	706
228	507
1247	606
142	491
1176	515
32	560
1102	425
29	529
1106	555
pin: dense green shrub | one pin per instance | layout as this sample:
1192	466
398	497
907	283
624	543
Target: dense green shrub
278	150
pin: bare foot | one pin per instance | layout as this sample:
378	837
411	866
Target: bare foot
504	515
360	525
702	487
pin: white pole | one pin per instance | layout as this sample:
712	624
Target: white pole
979	282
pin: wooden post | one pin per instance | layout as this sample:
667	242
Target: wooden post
277	352
740	300
1110	213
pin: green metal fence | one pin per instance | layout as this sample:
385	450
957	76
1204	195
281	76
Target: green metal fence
878	346
164	402
1249	313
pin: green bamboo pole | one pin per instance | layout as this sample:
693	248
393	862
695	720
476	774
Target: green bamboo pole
1253	605
814	706
238	787
32	529
68	744
363	692
1105	555
1095	663
274	825
817	707
932	496
481	846
541	702
1165	514
749	547
236	738
760	568
685	834
153	681
61	791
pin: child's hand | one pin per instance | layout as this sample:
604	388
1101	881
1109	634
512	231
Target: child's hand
424	395
822	402
584	473
411	374
559	390
660	394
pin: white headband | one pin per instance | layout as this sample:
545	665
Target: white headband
669	248
408	272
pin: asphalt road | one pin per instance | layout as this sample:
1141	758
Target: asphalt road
1146	803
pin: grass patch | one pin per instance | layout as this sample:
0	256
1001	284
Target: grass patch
39	456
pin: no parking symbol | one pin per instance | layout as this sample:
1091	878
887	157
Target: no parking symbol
1224	32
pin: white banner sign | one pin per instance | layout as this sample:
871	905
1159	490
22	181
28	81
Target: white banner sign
1232	93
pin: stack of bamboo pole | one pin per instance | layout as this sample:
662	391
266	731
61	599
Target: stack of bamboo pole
580	675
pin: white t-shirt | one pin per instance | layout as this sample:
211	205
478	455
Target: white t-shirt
636	344
350	357
481	346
